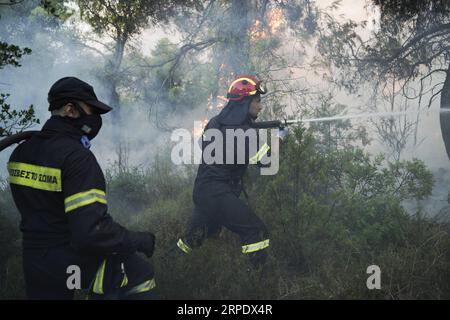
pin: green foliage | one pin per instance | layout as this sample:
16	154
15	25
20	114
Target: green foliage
401	56
122	20
334	214
11	275
126	18
10	54
55	8
331	213
168	90
332	209
404	10
131	190
13	121
408	42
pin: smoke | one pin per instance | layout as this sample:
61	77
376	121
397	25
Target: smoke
57	53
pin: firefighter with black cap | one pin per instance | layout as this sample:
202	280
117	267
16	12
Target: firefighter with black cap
218	186
59	189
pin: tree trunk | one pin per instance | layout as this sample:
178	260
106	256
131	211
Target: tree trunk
445	116
113	77
235	49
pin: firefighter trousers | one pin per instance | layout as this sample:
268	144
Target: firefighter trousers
211	213
47	272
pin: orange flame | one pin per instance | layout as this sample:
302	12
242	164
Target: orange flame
275	23
257	31
210	106
276	20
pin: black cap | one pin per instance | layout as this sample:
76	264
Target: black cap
74	88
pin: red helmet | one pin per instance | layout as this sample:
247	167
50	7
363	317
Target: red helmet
244	86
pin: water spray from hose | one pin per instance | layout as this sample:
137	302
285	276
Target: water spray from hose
286	122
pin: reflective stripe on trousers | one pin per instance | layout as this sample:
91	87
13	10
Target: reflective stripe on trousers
183	246
255	246
141	288
99	278
97	287
98	283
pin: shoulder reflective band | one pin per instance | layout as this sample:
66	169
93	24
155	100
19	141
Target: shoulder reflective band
98	283
84	198
255	246
143	287
184	247
260	154
37	177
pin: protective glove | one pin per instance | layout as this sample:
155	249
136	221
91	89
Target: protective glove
282	133
145	243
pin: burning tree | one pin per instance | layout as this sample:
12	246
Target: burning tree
236	37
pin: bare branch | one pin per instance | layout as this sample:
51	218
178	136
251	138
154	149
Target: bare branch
406	46
430	101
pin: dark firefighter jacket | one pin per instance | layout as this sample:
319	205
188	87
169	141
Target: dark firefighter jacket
59	189
221	178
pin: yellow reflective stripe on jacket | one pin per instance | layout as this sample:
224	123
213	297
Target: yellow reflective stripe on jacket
98	283
184	247
255	246
37	177
143	287
84	198
260	154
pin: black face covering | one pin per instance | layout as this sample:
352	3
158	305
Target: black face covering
90	124
235	113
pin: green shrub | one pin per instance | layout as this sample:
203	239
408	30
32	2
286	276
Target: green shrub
331	212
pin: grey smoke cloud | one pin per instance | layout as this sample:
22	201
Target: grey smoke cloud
55	55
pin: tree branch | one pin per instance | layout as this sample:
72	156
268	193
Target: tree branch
183	51
10	3
430	101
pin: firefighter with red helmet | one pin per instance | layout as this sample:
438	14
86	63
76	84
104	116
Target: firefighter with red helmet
218	186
